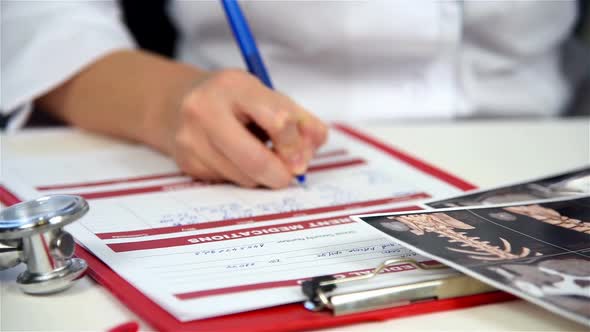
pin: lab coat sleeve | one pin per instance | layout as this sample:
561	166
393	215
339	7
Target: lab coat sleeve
511	60
44	43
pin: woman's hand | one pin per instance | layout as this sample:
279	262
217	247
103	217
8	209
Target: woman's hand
209	140
196	117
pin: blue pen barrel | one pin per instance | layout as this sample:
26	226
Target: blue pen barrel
256	67
251	55
246	41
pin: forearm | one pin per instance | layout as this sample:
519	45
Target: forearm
125	94
196	117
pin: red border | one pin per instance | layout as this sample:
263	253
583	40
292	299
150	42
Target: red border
7	198
292	317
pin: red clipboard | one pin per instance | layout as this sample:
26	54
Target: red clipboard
290	317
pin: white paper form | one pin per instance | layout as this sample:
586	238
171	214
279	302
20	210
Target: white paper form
201	249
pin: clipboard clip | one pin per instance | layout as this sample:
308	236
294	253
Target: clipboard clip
317	290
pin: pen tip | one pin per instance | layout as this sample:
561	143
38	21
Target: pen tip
300	178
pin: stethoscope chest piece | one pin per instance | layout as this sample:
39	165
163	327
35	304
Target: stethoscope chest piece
32	233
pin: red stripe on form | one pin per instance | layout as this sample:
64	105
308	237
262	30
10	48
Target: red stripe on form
333	153
228	235
325	154
144	190
339	164
109	182
240	233
187	184
266	217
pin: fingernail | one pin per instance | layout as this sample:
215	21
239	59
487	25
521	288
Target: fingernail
276	178
299	163
280	119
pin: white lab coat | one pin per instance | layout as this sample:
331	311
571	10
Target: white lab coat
343	60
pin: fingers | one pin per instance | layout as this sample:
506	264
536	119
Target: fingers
277	119
217	167
314	130
196	156
190	163
210	163
294	132
253	157
212	140
211	132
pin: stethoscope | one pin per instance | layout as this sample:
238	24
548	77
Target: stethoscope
32	233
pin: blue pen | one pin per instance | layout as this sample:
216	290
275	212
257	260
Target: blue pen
247	43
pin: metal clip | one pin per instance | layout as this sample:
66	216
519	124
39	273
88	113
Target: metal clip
316	290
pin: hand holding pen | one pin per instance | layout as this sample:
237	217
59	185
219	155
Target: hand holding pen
253	59
212	136
214	143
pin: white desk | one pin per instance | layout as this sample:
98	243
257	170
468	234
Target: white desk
485	153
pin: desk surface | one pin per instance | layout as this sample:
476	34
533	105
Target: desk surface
485	153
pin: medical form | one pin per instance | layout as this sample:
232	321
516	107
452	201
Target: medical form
202	249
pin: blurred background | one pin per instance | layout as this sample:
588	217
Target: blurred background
154	31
